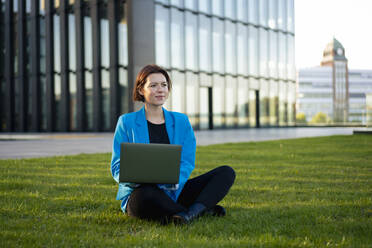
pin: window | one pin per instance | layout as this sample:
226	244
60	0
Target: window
177	39
218	46
218	100
230	47
242	46
230	101
243	105
253	51
162	36
191	41
204	43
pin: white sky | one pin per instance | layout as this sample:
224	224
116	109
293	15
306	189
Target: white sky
349	21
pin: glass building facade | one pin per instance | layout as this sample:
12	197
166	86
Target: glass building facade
232	62
69	65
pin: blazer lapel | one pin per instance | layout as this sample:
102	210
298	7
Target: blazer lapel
141	129
169	125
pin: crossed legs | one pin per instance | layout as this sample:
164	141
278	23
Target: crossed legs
149	202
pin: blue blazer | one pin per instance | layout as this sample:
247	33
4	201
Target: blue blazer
132	127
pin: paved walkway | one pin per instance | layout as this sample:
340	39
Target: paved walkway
28	145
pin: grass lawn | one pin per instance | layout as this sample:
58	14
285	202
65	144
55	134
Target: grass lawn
311	192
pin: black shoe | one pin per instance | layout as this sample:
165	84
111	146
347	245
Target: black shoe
187	217
216	210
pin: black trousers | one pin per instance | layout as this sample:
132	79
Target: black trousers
149	202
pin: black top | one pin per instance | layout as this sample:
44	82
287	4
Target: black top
158	133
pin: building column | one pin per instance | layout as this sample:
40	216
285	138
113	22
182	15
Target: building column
114	59
141	40
97	88
80	73
9	67
35	67
49	60
65	89
22	77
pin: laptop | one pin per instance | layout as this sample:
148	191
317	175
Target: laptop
150	163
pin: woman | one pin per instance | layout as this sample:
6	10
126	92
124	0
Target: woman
188	199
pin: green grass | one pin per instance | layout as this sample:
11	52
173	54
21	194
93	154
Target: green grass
312	192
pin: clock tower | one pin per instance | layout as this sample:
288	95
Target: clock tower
334	56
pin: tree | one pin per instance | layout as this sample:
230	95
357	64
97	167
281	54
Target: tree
320	118
301	118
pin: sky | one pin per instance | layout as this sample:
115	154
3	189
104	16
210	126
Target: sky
318	21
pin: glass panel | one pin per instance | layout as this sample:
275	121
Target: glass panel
242	47
230	9
204	43
291	71
123	84
123	39
242	10
274	103
177	45
230	47
282	14
43	102
89	99
273	54
204	6
191	41
253	51
231	103
162	36
105	53
282	103
217	8
162	1
57	95
252	108
282	59
178	92
190	4
57	44
218	46
243	106
290	15
41	7
273	12
204	101
218	100
264	102
71	42
178	3
192	93
73	106
205	80
106	99
291	103
72	73
88	42
263	9
263	52
253	11
42	46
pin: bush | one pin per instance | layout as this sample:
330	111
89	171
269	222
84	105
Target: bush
320	118
301	118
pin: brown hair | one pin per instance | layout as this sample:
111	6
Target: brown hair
142	78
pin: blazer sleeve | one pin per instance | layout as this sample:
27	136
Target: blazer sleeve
187	155
120	136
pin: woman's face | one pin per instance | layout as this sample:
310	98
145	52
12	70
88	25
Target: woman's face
155	91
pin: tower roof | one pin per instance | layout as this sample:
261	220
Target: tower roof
333	51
